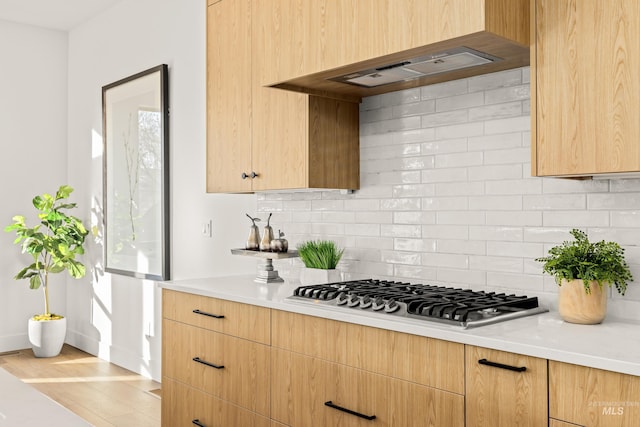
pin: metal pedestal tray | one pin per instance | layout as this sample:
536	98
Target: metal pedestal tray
266	273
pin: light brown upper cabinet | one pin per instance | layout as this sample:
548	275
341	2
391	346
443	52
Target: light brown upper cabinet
585	90
261	138
312	41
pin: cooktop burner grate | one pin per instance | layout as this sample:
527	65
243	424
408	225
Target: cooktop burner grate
462	307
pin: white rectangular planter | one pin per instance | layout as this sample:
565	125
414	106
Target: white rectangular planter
317	276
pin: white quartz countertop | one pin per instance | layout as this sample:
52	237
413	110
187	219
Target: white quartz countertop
613	345
23	405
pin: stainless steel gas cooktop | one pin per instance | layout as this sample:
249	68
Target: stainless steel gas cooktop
460	307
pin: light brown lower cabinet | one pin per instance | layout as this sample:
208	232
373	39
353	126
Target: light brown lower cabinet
505	389
190	407
309	392
230	368
593	397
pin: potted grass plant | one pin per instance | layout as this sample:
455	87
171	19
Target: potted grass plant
320	258
584	270
53	245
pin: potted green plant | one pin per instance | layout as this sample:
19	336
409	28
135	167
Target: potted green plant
582	269
320	258
53	245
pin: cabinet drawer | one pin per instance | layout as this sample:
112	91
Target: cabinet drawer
240	320
427	361
230	368
593	397
303	388
181	405
501	394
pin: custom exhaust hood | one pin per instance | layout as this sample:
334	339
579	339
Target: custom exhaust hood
378	50
427	65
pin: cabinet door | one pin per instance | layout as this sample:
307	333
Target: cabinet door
593	397
229	96
182	405
309	392
587	93
232	369
229	317
500	394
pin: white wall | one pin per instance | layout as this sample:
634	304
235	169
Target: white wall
447	196
33	133
118	317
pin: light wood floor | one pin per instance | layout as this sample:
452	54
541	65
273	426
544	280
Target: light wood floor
100	392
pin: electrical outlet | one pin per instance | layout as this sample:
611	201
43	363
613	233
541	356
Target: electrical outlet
206	229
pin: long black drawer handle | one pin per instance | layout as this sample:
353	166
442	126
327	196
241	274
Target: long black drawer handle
330	404
204	362
198	423
204	313
501	366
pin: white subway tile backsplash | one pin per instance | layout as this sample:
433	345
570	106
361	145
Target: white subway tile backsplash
460	131
468	247
506	94
497	111
417	217
619	200
502	203
511	155
576	218
554	202
447	196
413	190
457	160
445	203
406	204
487	82
400	230
492	232
495	263
442	90
523	218
495	172
444	119
414	245
514	124
374	217
515	186
458	145
414	109
458	102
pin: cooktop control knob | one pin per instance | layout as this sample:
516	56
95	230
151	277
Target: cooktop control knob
353	301
378	304
365	302
341	299
391	306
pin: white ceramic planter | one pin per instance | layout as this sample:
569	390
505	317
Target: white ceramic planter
317	276
47	336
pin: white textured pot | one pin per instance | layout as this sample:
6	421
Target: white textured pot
317	276
47	336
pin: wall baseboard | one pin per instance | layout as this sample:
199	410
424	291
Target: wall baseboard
14	342
117	355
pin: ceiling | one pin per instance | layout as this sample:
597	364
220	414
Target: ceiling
53	14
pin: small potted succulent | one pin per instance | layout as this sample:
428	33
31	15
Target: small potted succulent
320	258
53	245
583	269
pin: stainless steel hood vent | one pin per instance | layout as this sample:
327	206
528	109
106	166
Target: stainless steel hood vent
437	63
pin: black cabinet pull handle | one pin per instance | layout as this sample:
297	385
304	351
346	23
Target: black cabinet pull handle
198	423
204	313
244	175
204	362
330	404
501	366
253	175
